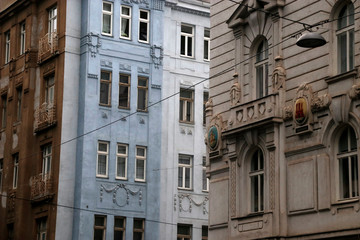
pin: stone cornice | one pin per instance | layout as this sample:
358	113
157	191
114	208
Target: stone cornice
174	6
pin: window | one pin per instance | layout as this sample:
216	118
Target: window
119	228
185	172
205	180
186	105
41	229
1	172
144	26
142	94
261	69
16	170
207	44
187	41
10	230
99	227
105	88
140	164
206	98
257	181
102	159
22	38
183	232
107	15
46	161
52	22
121	163
139	229
345	38
49	90
204	232
7	47
18	103
3	111
124	91
125	22
348	165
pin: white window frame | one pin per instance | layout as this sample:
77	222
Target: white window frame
1	172
257	174
16	170
263	64
184	167
7	47
22	37
140	158
121	155
46	161
110	13
41	230
184	103
204	174
103	228
186	37
103	153
147	22
52	20
128	17
207	40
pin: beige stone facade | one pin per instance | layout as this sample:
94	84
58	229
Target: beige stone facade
283	121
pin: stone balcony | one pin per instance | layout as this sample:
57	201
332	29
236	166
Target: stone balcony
45	116
41	187
48	46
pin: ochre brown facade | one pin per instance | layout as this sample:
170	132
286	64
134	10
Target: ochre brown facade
31	88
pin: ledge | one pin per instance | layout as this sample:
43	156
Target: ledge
336	78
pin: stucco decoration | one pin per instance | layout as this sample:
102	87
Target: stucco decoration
114	191
125	67
146	2
235	94
213	135
143	70
105	63
93	42
320	102
156	53
209	107
190	202
354	92
278	75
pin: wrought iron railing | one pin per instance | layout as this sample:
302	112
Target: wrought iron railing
48	45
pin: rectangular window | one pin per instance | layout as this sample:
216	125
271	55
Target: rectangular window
207	44
46	161
139	229
125	22
1	172
10	230
18	103
49	90
41	229
121	162
119	228
107	15
105	88
186	105
22	38
204	232
16	170
205	180
102	159
206	98
142	94
3	111
99	227
7	47
124	91
187	41
184	232
140	164
52	22
144	19
185	172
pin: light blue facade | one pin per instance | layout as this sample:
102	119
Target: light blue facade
108	196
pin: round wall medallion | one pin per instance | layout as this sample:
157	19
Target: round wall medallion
301	111
213	137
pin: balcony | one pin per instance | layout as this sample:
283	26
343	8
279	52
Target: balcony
48	46
45	116
255	113
41	188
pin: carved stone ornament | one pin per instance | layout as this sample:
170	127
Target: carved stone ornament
354	92
278	75
146	2
319	103
93	41
235	94
288	113
114	191
156	53
190	199
213	135
209	107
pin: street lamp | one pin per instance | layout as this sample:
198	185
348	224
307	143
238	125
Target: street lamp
310	40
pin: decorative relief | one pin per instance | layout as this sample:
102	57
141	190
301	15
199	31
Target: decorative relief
124	67
278	75
143	70
156	53
142	120
174	6
114	191
320	102
209	107
354	92
93	41
157	5
90	75
288	113
156	86
235	92
105	63
146	2
190	199
49	68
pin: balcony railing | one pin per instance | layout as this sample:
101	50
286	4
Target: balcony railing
41	187
45	116
48	45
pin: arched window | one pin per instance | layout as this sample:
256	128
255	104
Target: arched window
256	175
345	38
261	68
347	157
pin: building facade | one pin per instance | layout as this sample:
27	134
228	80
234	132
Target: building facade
284	127
38	110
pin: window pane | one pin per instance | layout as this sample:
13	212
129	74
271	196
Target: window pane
254	194
119	222
123	96
351	14
125	27
141	99
118	235
180	177
182	47
103	147
354	176
204	180
342	52
140	166
138	236
342	18
140	152
344	178
206	49
121	149
143	15
124	78
105	75
186	93
352	139
181	110
104	93
121	167
261	193
102	165
188	111
204	231
343	142
138	224
186	29
259	81
143	31
185	230
142	82
351	50
189	47
98	234
99	221
184	160
107	7
106	23
187	177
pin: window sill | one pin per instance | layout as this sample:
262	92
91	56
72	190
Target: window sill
143	42
107	35
123	108
122	179
140	180
187	57
187	123
102	176
124	38
142	111
341	76
348	200
104	105
186	189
